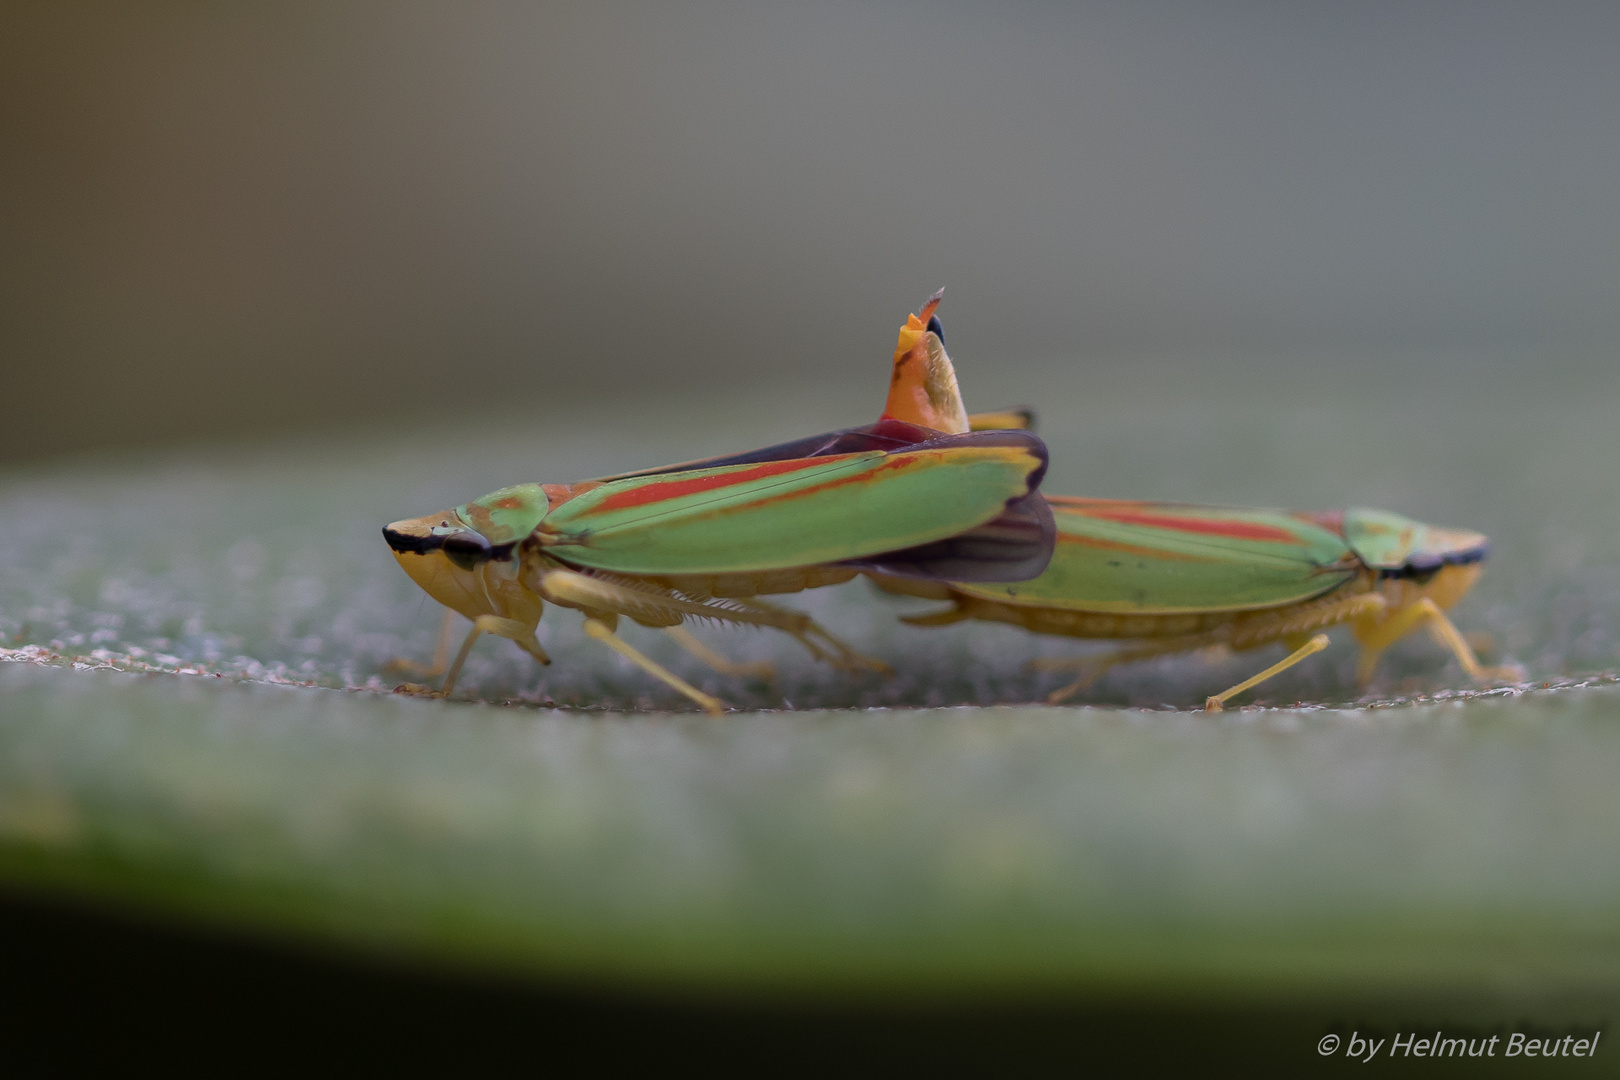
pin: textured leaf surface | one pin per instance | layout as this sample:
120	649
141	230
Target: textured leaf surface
1417	840
936	849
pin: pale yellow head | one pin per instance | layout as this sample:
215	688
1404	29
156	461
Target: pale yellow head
460	568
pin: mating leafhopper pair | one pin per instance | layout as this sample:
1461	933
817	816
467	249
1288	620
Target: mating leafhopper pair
931	501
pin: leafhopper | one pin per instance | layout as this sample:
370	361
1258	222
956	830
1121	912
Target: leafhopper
1173	578
705	539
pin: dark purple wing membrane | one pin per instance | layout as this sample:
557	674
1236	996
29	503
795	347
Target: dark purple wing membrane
883	435
1016	546
993	437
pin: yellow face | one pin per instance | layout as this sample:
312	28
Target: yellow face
461	569
1449	585
440	554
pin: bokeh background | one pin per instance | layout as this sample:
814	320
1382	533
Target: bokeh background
222	221
273	275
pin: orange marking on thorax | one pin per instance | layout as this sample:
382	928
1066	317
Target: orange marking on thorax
1331	520
908	391
674	489
908	397
557	494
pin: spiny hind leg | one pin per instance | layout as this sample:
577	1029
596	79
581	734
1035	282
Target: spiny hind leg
1376	635
813	636
759	669
601	597
654	606
601	627
661	607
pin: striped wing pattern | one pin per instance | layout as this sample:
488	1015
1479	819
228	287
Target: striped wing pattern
1169	558
780	514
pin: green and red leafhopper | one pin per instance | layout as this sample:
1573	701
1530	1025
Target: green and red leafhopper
1173	578
705	539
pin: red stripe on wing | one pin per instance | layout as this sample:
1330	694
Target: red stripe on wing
673	489
1236	530
1128	549
866	476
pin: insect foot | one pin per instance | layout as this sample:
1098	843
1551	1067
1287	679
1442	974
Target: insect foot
858	662
412	689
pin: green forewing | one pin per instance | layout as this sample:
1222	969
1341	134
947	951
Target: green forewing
780	514
1165	558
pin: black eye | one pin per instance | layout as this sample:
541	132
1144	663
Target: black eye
466	550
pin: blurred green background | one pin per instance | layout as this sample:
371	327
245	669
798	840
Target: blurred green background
271	277
222	220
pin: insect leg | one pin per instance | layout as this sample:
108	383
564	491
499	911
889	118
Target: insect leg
944	617
661	607
762	669
1093	668
521	633
1216	702
805	628
1376	636
461	658
652	605
598	628
441	653
1090	672
1293	625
